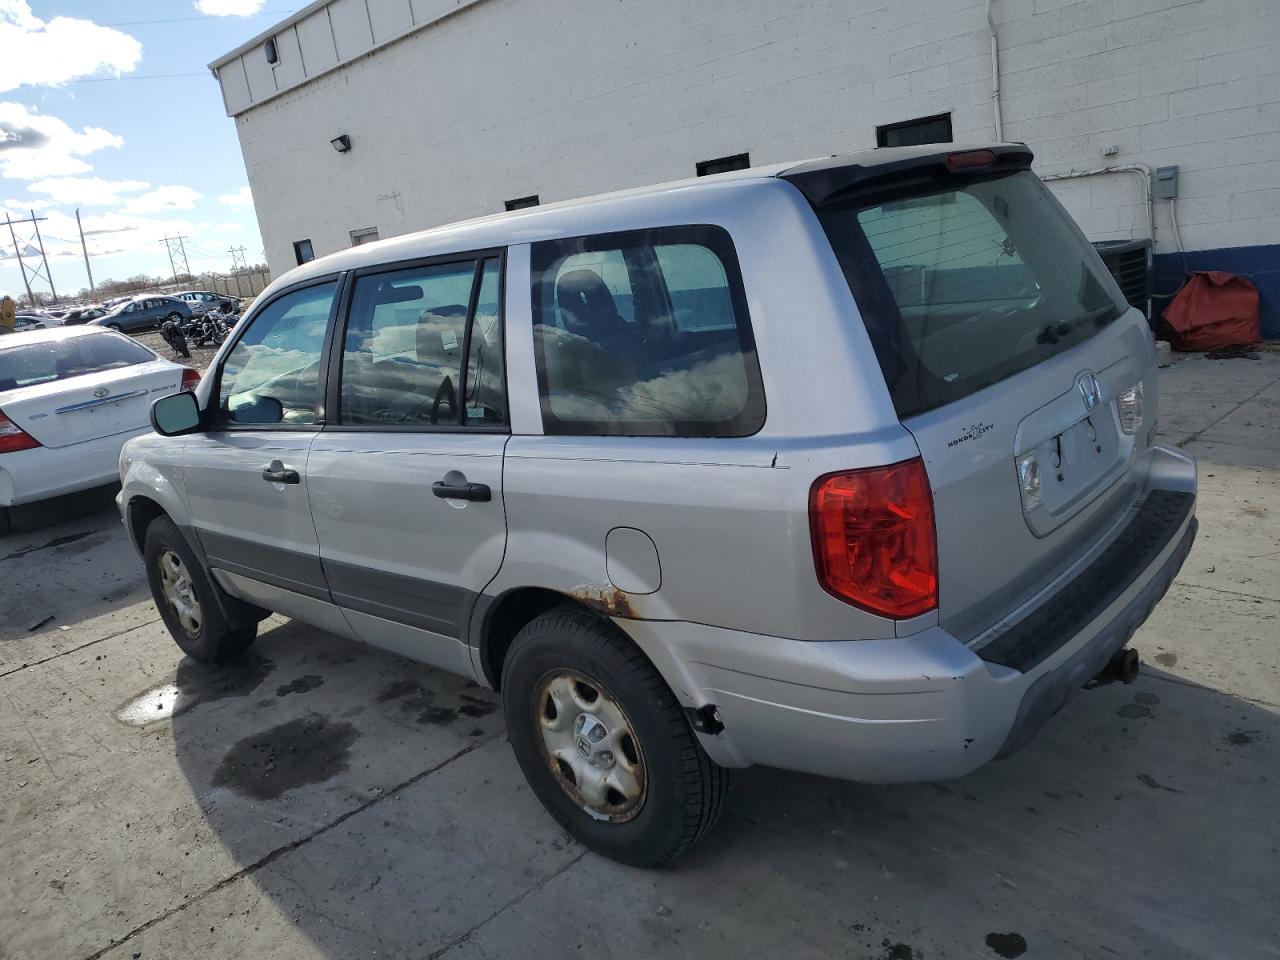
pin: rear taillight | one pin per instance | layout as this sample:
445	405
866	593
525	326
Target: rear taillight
874	542
13	438
190	378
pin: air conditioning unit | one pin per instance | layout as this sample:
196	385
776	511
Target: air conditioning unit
1130	263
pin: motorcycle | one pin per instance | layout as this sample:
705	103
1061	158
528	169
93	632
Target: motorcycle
210	329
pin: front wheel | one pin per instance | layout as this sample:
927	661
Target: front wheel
604	743
114	326
185	597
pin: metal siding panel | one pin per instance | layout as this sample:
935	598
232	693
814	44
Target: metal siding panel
235	90
289	70
350	28
316	39
390	19
261	78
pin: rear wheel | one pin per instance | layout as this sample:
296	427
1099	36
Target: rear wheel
604	743
114	326
185	597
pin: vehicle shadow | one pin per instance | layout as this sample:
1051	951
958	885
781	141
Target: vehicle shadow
1141	822
66	566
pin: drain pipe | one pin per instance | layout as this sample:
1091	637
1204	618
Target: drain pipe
1138	168
995	77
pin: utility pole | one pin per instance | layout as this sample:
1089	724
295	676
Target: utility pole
21	266
238	261
169	243
87	269
47	274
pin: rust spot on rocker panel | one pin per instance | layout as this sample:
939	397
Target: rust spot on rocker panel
609	600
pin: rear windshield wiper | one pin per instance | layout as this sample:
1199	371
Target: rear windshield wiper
1053	332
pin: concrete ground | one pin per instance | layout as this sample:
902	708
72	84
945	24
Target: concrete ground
326	800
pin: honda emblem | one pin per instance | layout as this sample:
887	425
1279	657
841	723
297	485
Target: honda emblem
1090	392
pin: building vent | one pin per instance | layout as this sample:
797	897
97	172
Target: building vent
1130	263
270	48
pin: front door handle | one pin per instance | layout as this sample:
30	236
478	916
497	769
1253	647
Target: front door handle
277	472
462	491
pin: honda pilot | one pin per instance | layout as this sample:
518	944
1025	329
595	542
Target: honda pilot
845	467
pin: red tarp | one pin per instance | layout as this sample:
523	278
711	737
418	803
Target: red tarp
1214	309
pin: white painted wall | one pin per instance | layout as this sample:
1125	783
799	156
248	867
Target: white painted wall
570	97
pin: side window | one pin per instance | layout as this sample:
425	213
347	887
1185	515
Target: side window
272	375
682	364
402	362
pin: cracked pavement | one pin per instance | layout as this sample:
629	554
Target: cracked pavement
323	799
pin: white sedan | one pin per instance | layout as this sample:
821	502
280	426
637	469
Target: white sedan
69	399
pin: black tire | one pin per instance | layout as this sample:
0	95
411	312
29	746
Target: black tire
175	317
216	640
5	524
684	791
114	326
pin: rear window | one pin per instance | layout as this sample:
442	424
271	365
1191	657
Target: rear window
645	333
46	361
965	286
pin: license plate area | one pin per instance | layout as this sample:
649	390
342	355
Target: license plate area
1076	464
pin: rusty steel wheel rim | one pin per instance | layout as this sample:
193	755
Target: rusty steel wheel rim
589	745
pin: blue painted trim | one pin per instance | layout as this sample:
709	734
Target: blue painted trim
1260	264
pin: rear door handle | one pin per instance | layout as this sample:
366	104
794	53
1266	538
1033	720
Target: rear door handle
462	491
277	472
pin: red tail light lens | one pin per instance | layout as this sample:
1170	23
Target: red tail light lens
874	543
13	438
190	378
970	160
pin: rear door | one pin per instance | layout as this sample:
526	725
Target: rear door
1011	357
406	477
74	389
247	476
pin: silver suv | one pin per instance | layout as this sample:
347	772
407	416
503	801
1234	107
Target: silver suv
844	467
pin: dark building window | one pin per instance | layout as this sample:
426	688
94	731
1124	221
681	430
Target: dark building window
739	161
302	251
909	133
519	203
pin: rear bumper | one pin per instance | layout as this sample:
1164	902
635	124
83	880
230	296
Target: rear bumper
45	472
923	707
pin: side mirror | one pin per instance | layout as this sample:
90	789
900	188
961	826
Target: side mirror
176	414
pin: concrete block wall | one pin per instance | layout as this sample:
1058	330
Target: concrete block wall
509	97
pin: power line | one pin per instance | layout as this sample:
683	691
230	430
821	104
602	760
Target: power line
139	76
140	23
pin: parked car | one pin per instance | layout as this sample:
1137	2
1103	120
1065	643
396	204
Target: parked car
202	302
25	321
143	313
78	315
69	399
846	467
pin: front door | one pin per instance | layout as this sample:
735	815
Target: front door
406	477
246	478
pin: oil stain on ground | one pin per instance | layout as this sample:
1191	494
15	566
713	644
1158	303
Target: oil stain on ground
414	698
301	685
196	683
1007	945
266	765
51	544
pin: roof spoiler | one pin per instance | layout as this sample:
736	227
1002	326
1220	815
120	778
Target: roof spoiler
834	179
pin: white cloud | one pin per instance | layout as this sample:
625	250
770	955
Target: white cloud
34	146
241	198
41	53
162	200
229	8
89	191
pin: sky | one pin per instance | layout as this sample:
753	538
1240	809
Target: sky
108	106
